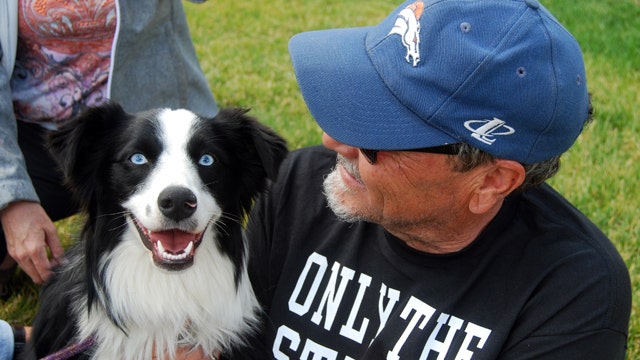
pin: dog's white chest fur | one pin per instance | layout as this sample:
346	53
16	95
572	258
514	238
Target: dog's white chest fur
162	310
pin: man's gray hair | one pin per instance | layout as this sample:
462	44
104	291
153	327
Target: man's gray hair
470	157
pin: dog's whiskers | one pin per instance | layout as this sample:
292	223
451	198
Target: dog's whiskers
219	226
210	183
235	218
119	213
223	226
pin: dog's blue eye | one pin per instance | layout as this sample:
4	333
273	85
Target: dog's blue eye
138	159
206	160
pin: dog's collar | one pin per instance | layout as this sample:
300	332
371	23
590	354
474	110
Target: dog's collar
84	345
72	350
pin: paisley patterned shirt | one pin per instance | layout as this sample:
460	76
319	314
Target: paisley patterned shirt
63	57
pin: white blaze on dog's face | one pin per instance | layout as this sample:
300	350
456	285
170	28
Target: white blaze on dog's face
172	207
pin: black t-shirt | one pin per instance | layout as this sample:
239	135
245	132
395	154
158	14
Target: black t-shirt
540	282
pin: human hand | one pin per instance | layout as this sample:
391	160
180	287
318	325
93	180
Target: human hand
189	354
29	232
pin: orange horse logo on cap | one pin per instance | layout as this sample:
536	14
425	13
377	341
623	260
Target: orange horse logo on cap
407	25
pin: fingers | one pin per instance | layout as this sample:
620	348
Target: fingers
41	264
29	232
53	242
31	255
184	353
189	353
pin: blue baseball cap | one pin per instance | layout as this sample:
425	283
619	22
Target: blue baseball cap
501	75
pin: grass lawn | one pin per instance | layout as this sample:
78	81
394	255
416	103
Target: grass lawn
242	46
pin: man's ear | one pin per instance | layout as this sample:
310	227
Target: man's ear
498	180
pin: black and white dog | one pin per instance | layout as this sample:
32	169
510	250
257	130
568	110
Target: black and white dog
161	261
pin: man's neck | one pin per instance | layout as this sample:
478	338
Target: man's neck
453	237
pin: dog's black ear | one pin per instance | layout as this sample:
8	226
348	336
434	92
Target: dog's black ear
271	147
257	149
265	145
78	146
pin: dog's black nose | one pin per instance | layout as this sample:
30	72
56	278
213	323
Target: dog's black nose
177	202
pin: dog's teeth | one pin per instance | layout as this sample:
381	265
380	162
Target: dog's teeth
174	257
187	250
169	256
160	248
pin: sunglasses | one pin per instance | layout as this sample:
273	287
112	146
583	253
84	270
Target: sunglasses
449	149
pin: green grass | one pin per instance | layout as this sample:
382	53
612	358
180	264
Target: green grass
600	173
243	50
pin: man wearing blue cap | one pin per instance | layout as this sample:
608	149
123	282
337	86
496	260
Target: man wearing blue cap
436	237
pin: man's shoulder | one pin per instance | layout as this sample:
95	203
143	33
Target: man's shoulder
316	154
307	163
570	255
552	221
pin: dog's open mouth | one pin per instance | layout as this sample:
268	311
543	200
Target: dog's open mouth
172	249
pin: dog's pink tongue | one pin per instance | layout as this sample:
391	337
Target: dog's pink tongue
173	241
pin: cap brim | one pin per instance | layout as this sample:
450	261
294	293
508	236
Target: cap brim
347	97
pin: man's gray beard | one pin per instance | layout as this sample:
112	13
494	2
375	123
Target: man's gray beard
334	186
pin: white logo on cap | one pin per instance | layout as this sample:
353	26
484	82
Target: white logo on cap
485	130
408	27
